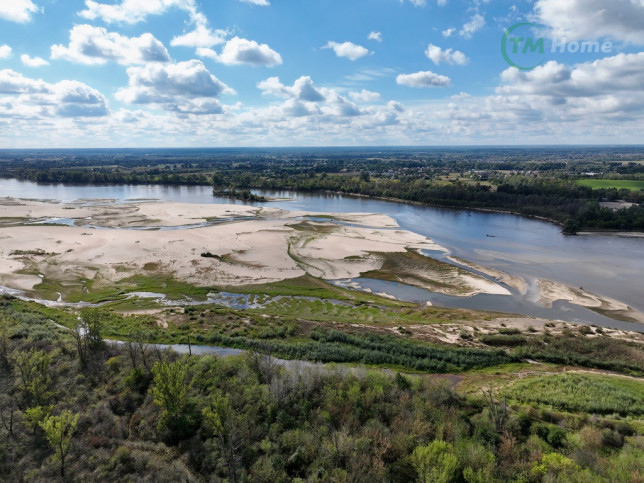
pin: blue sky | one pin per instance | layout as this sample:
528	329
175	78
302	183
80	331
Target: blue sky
143	73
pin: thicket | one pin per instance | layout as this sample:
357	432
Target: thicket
134	413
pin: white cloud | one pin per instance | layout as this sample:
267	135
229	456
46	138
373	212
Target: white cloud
377	36
34	98
347	49
364	96
423	79
183	88
239	51
95	45
12	82
607	76
449	56
33	61
447	33
201	36
5	51
304	99
261	3
591	19
441	3
476	23
135	11
302	89
18	10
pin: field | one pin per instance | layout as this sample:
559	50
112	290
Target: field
629	184
581	392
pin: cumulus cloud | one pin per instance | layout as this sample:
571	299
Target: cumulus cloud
135	11
476	23
19	11
592	19
200	37
5	51
184	88
95	45
239	51
364	96
449	56
304	99
347	49
610	75
33	61
377	36
302	89
34	98
423	79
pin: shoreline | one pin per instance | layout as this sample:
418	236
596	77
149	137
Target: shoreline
582	232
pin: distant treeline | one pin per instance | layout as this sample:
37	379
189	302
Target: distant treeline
555	196
559	200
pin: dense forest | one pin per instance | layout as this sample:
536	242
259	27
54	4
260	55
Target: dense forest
76	408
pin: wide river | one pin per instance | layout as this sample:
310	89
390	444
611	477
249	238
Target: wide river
612	266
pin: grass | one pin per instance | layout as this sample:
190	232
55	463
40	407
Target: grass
309	286
413	268
629	184
582	392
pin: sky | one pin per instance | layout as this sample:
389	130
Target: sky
227	73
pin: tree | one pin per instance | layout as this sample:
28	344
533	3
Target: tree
435	463
88	335
498	411
172	383
33	368
59	431
220	418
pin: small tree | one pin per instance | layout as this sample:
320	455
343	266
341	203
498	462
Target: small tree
435	463
498	411
88	335
59	431
172	383
220	418
33	368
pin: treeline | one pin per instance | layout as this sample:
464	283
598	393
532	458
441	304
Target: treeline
555	199
105	176
74	408
554	196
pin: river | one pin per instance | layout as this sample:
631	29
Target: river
612	266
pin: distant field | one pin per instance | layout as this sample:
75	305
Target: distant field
633	185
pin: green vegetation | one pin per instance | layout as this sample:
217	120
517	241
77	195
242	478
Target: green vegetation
135	413
618	184
583	393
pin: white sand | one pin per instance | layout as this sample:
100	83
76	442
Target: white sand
506	278
551	291
272	245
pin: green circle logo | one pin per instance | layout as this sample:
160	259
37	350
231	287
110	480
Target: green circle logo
523	46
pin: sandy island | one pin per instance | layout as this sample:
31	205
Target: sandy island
111	241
